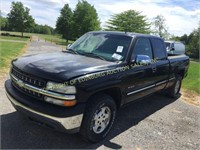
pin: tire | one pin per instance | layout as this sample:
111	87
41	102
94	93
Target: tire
175	89
98	118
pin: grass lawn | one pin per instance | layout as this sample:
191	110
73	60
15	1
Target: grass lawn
8	51
55	39
51	38
192	81
13	38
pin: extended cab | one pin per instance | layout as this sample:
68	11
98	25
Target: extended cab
82	88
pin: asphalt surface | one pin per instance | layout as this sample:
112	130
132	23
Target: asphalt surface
154	123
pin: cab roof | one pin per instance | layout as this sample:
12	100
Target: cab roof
130	34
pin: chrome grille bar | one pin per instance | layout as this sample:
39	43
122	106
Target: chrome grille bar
20	83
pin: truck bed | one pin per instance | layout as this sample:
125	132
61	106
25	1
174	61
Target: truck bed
179	62
180	58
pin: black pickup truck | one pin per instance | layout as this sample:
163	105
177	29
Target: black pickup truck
82	88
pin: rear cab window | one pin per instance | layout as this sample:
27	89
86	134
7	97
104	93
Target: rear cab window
159	49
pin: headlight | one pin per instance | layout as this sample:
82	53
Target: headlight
61	88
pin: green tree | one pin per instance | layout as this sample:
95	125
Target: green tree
45	29
129	21
64	22
85	19
3	22
184	39
160	27
174	38
42	29
194	43
19	18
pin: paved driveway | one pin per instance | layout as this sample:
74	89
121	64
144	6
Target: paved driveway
157	122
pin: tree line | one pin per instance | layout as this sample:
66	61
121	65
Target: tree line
20	20
191	41
72	24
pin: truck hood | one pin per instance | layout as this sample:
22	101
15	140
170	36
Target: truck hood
60	66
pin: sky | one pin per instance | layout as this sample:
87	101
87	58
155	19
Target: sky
182	16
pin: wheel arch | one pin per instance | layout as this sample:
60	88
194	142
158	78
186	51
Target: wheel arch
181	73
113	92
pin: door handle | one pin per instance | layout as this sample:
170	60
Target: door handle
154	69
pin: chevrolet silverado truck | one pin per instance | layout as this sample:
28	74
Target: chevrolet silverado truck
82	88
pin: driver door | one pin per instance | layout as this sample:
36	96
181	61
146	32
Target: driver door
140	79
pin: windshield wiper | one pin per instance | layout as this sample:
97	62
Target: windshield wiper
93	55
72	51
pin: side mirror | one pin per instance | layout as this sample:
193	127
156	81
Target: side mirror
172	49
68	45
143	60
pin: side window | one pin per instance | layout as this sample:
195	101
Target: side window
142	47
172	45
159	49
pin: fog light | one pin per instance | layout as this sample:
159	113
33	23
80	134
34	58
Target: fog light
59	102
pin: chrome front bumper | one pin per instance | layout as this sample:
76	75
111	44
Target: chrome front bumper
68	123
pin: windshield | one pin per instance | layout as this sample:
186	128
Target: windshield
107	46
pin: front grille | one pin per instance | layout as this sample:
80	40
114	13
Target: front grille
29	80
28	92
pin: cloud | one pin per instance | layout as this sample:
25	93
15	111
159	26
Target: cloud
178	19
47	3
43	11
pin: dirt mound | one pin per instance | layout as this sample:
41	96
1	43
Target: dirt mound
190	97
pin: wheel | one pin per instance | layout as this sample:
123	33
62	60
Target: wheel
98	118
175	89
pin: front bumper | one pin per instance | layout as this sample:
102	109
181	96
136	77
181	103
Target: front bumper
70	123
